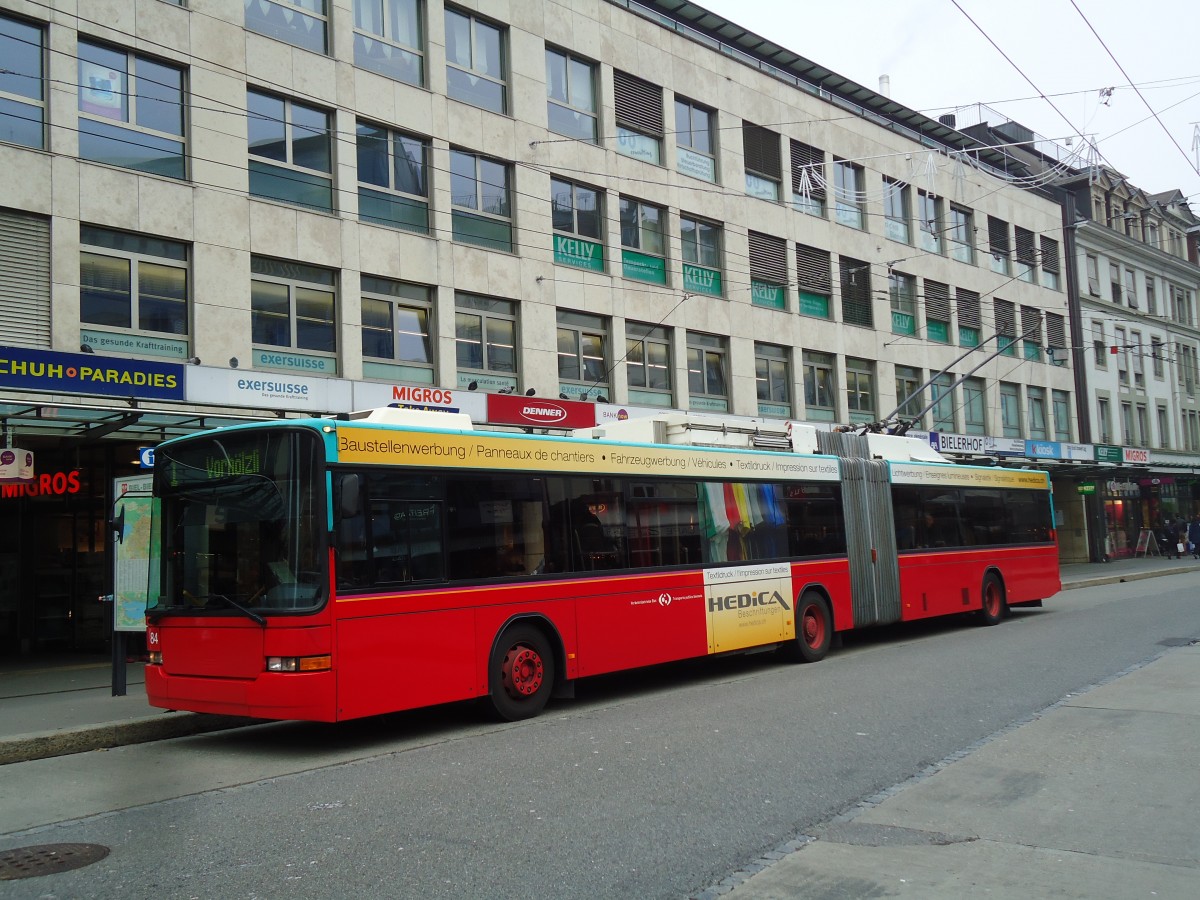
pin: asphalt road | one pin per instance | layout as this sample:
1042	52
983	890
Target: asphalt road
653	784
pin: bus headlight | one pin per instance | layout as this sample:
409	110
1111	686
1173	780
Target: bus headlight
154	658
299	663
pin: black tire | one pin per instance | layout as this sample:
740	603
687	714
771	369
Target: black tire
814	629
521	673
994	607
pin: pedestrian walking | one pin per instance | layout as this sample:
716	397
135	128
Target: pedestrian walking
1193	537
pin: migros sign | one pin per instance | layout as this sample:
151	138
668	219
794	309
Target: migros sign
48	484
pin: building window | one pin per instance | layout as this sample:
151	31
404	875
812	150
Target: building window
388	39
1026	255
1050	264
480	194
292	305
291	151
974	406
1104	420
1164	428
902	290
815	280
476	69
1060	402
1010	409
1122	355
970	317
485	342
1038	428
639	112
808	179
570	95
644	250
577	217
820	388
961	234
848	193
1006	326
1156	356
25	280
895	210
929	219
397	336
392	186
1093	275
707	365
772	379
1056	339
942	394
768	270
1151	297
937	311
583	356
1145	439
130	111
1114	282
856	292
1139	367
1131	288
700	244
1128	438
135	284
695	146
22	83
999	246
301	23
860	389
1031	333
648	364
764	165
1099	344
910	399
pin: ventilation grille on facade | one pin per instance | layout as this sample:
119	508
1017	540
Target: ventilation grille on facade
808	169
813	270
768	258
639	104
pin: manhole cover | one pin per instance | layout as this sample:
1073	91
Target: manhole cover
47	859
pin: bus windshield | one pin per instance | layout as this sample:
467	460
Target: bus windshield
243	524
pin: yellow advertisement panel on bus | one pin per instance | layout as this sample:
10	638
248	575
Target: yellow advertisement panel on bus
488	451
749	606
937	475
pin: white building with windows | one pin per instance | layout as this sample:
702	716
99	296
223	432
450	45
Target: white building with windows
618	201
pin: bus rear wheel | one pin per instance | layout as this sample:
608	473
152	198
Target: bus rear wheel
994	606
521	673
814	629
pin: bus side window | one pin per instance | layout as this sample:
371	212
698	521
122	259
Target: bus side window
353	564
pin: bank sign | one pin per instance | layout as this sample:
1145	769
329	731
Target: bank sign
88	373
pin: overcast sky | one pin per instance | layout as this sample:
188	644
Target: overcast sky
937	60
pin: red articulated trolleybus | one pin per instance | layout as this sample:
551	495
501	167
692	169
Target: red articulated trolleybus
327	569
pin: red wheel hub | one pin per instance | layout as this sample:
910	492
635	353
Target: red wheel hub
991	600
812	626
523	671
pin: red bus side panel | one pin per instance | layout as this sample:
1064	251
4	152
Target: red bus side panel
948	582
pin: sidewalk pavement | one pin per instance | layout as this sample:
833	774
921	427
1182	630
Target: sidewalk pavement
1095	797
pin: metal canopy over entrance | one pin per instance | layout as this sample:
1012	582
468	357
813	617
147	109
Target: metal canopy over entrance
68	423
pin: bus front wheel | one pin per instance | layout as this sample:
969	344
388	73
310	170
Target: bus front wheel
521	673
994	607
814	629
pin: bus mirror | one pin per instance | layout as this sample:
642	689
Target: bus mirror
349	496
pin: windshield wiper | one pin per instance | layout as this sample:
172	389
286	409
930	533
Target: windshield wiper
250	614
